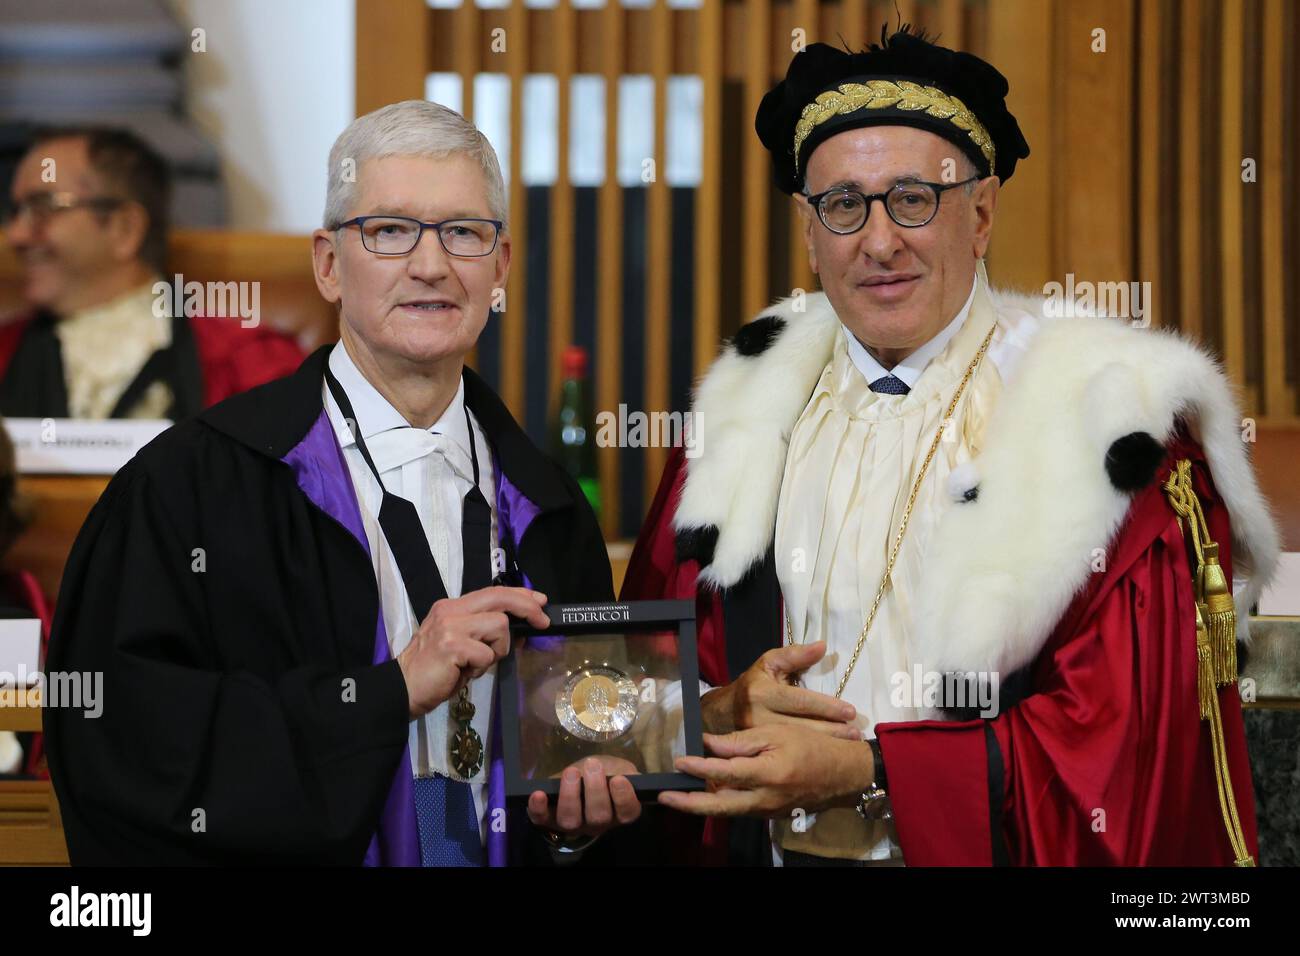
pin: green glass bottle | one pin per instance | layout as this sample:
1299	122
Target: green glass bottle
573	438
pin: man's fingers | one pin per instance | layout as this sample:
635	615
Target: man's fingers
521	602
468	653
831	728
743	743
539	810
595	792
493	629
494	598
791	659
500	645
802	702
627	806
606	802
720	803
536	618
568	808
735	773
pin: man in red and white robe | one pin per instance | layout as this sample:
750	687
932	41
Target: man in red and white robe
913	476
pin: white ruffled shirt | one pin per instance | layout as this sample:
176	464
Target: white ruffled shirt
104	348
432	470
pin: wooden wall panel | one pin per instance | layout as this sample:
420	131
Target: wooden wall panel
1023	252
806	16
755	174
609	288
1191	88
1092	139
393	52
708	197
561	278
1227	176
1149	170
658	246
514	323
1275	164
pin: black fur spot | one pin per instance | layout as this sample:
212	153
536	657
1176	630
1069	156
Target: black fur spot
1131	461
959	694
755	337
697	544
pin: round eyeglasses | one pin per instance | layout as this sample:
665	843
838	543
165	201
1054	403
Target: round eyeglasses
42	206
910	204
398	235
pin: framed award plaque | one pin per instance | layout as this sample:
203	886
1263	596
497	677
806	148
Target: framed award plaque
615	681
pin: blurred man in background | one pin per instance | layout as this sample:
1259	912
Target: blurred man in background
87	218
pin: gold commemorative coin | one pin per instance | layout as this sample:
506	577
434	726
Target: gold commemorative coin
597	703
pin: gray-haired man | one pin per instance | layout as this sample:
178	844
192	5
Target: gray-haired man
293	597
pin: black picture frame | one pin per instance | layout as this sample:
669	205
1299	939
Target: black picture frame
576	620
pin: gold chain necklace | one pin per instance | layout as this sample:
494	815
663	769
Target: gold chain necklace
907	514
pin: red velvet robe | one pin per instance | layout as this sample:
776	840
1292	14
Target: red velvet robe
1105	762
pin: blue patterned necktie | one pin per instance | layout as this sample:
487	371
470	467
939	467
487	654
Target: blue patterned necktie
449	830
889	385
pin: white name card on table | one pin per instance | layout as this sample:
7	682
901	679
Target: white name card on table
1282	597
20	651
73	446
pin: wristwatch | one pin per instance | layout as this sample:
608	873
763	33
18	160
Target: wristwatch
874	802
565	850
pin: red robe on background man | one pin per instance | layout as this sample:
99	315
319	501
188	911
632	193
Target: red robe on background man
1103	759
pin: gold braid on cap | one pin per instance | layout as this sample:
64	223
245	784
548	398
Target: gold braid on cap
902	95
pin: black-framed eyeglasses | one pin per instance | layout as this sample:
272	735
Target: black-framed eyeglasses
41	206
910	204
398	235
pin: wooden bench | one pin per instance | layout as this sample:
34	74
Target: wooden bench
31	830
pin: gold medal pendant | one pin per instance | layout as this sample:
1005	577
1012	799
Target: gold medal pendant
466	745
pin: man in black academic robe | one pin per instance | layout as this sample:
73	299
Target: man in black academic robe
221	589
251	710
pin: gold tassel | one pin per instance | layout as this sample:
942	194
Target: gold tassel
1216	643
1204	666
1221	616
1211	583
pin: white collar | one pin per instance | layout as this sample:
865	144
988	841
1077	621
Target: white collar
910	369
376	414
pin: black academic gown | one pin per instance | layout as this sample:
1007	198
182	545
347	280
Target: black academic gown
226	610
32	377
